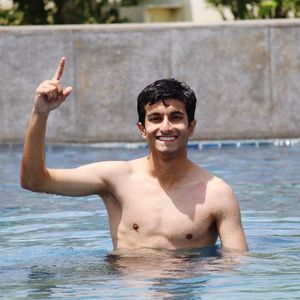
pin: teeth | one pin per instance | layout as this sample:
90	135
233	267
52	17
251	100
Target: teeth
166	138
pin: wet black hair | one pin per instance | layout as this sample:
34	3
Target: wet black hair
164	89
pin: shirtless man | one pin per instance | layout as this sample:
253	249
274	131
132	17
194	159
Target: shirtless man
161	201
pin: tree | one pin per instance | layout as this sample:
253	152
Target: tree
41	12
257	9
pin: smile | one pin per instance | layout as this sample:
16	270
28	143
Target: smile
167	138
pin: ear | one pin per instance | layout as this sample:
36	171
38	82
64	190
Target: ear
142	129
192	127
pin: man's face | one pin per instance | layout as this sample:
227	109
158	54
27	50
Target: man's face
166	126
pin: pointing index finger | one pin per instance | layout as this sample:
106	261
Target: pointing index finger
60	69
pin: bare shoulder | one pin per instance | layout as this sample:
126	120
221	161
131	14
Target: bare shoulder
221	195
218	185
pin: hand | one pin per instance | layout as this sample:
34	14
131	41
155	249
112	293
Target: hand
50	94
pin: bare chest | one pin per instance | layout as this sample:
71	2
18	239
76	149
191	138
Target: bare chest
152	217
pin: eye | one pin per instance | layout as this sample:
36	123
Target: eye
176	117
154	118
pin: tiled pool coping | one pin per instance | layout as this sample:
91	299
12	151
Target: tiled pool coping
243	143
191	145
213	144
206	144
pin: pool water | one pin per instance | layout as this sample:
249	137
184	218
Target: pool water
59	247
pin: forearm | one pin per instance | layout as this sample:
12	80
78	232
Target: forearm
33	167
49	95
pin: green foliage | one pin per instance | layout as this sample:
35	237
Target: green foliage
40	12
129	2
258	9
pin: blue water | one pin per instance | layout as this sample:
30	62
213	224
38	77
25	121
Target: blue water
54	247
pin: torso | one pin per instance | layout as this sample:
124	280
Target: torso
144	215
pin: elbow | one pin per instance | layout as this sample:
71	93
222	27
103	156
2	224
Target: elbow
28	184
25	181
24	184
31	182
31	186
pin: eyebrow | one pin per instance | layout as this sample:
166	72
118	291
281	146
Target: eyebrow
153	114
178	112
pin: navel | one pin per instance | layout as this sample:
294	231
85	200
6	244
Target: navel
135	226
189	236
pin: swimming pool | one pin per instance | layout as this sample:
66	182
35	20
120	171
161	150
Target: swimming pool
59	247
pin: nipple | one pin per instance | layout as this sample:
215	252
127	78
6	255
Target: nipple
135	226
189	236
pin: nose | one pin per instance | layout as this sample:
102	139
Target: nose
166	125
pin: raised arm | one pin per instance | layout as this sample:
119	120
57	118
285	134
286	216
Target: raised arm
34	175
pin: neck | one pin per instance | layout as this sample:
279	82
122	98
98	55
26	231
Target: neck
169	169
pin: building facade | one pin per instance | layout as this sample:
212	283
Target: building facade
151	11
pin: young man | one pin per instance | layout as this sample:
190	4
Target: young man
160	201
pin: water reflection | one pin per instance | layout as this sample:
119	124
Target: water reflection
181	273
69	275
140	273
